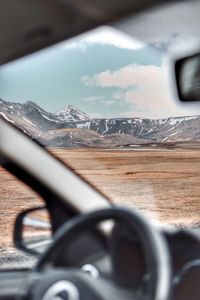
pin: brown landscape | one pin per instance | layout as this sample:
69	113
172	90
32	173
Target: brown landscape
165	185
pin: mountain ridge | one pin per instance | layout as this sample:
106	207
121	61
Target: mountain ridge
41	125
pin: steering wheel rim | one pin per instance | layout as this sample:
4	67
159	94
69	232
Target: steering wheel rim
156	252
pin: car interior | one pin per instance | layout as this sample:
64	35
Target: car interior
73	242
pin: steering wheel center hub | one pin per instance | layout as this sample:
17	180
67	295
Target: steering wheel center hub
62	290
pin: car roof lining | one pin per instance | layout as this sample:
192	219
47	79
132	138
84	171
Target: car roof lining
29	25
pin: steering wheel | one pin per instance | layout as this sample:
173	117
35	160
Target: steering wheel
46	283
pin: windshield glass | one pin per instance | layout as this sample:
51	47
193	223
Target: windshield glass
103	104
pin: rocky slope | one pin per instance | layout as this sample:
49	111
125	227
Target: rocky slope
71	127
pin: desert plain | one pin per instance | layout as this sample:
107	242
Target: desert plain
163	184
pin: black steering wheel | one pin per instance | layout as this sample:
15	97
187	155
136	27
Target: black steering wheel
45	283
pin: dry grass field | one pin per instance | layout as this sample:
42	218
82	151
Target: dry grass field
163	184
14	197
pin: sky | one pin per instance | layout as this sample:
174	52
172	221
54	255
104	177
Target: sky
105	73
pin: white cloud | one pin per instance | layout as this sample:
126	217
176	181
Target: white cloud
144	89
134	75
108	102
104	35
88	80
99	99
92	99
118	95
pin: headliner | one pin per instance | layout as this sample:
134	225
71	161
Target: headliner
30	25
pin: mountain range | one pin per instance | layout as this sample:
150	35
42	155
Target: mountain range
70	127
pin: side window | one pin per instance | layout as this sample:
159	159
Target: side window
14	197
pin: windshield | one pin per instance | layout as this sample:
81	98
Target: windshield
103	104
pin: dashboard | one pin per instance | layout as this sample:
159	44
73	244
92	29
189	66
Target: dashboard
126	264
185	253
128	267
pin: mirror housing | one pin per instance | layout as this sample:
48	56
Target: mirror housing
184	73
187	72
33	230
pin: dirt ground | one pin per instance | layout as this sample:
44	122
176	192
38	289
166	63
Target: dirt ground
163	184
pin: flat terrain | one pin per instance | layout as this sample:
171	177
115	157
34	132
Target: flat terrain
163	184
14	197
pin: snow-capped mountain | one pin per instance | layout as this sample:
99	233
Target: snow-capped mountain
160	130
30	116
71	113
71	127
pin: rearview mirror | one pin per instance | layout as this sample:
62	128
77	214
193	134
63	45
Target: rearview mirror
187	72
33	231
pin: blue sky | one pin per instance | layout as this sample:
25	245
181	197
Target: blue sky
105	73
